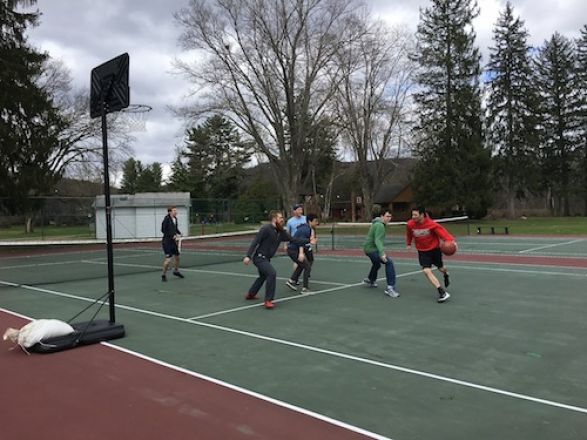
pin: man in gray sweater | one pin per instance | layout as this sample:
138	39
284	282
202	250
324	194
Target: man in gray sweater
262	249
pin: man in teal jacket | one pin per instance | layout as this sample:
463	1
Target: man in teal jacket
373	248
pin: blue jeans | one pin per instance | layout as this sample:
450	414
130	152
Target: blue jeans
376	264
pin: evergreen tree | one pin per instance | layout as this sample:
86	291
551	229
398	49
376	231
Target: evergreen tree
581	72
560	110
512	108
150	178
454	166
215	159
180	176
138	178
29	122
130	172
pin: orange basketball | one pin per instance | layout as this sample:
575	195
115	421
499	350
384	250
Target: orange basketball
448	247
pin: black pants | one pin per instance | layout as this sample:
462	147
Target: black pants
266	274
305	266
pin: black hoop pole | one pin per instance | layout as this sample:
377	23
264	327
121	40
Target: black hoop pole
108	209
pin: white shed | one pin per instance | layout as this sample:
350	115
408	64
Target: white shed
140	215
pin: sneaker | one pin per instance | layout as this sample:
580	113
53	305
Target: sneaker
251	296
269	304
443	297
291	285
163	278
178	274
305	290
391	292
369	283
446	280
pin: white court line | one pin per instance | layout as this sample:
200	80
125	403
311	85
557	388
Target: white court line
550	245
290	298
580	271
234	387
354	358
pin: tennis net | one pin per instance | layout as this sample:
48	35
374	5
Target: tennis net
352	235
39	263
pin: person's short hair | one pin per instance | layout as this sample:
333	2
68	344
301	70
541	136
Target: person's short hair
420	209
376	210
311	217
274	213
171	208
297	206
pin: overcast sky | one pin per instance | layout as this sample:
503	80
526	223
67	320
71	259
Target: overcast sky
85	33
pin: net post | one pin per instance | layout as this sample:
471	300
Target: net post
332	235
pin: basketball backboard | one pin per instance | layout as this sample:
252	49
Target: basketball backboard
109	86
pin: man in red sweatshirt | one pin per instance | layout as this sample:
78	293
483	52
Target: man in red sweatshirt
426	233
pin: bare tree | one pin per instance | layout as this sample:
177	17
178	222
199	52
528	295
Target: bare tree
373	102
270	67
79	149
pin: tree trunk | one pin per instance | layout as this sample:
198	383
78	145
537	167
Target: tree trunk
28	227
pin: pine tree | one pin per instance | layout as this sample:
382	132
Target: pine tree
179	180
581	72
215	159
512	108
29	122
130	172
560	110
454	166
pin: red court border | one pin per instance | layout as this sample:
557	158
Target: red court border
528	260
99	392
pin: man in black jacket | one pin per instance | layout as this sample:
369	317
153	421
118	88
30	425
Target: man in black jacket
171	237
262	249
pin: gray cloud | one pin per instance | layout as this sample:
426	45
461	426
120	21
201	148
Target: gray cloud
85	33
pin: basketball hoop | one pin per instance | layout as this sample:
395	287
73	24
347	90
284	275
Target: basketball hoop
135	117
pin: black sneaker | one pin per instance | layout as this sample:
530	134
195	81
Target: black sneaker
446	280
163	278
443	296
178	274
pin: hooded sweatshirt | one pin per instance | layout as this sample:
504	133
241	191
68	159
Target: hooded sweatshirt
426	234
375	237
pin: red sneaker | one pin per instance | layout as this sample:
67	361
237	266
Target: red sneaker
269	304
251	296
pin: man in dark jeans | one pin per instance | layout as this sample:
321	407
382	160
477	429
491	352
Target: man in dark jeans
171	236
303	256
261	250
373	248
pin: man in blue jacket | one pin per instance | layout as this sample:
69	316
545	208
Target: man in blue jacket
303	256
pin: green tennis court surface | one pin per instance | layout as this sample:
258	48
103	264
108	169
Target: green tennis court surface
504	358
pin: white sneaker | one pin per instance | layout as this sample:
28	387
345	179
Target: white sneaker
291	285
305	290
391	292
443	297
369	283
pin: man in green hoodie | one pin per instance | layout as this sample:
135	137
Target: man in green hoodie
373	248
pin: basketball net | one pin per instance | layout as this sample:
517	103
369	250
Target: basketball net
134	118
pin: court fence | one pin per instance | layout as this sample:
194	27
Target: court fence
53	218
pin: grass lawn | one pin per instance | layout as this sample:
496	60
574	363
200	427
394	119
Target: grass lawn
47	232
535	225
530	226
